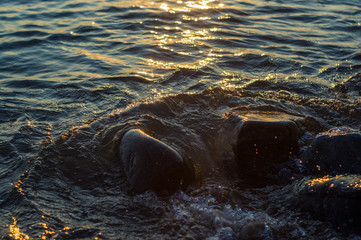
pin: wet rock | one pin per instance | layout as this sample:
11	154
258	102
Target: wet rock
337	151
150	164
350	87
311	124
334	199
262	147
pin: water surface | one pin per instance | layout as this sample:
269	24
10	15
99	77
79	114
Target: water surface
75	73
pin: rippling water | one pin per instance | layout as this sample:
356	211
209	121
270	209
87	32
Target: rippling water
75	73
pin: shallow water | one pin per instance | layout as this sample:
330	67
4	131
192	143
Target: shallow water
73	74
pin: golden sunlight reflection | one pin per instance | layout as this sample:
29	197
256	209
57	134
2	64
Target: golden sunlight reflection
346	182
319	180
188	6
18	187
182	28
48	231
15	231
171	65
186	40
199	5
19	183
191	37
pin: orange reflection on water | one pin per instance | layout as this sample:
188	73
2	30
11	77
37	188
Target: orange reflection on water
347	182
171	65
199	5
190	37
18	187
19	183
195	19
188	6
15	231
185	35
319	180
175	32
48	232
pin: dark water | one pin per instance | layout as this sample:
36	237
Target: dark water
75	73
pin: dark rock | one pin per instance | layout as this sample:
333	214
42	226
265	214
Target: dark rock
333	199
337	151
310	124
150	164
262	147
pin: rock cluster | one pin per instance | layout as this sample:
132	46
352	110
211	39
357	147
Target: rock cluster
333	190
330	189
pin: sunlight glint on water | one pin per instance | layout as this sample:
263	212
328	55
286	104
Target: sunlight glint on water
74	74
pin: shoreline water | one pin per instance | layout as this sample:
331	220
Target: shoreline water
73	74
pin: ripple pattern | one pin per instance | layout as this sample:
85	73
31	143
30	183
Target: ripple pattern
75	73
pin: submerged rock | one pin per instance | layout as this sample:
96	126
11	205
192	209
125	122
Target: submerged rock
337	151
256	230
350	87
150	164
262	146
334	199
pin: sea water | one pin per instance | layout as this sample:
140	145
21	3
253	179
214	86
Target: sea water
75	73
